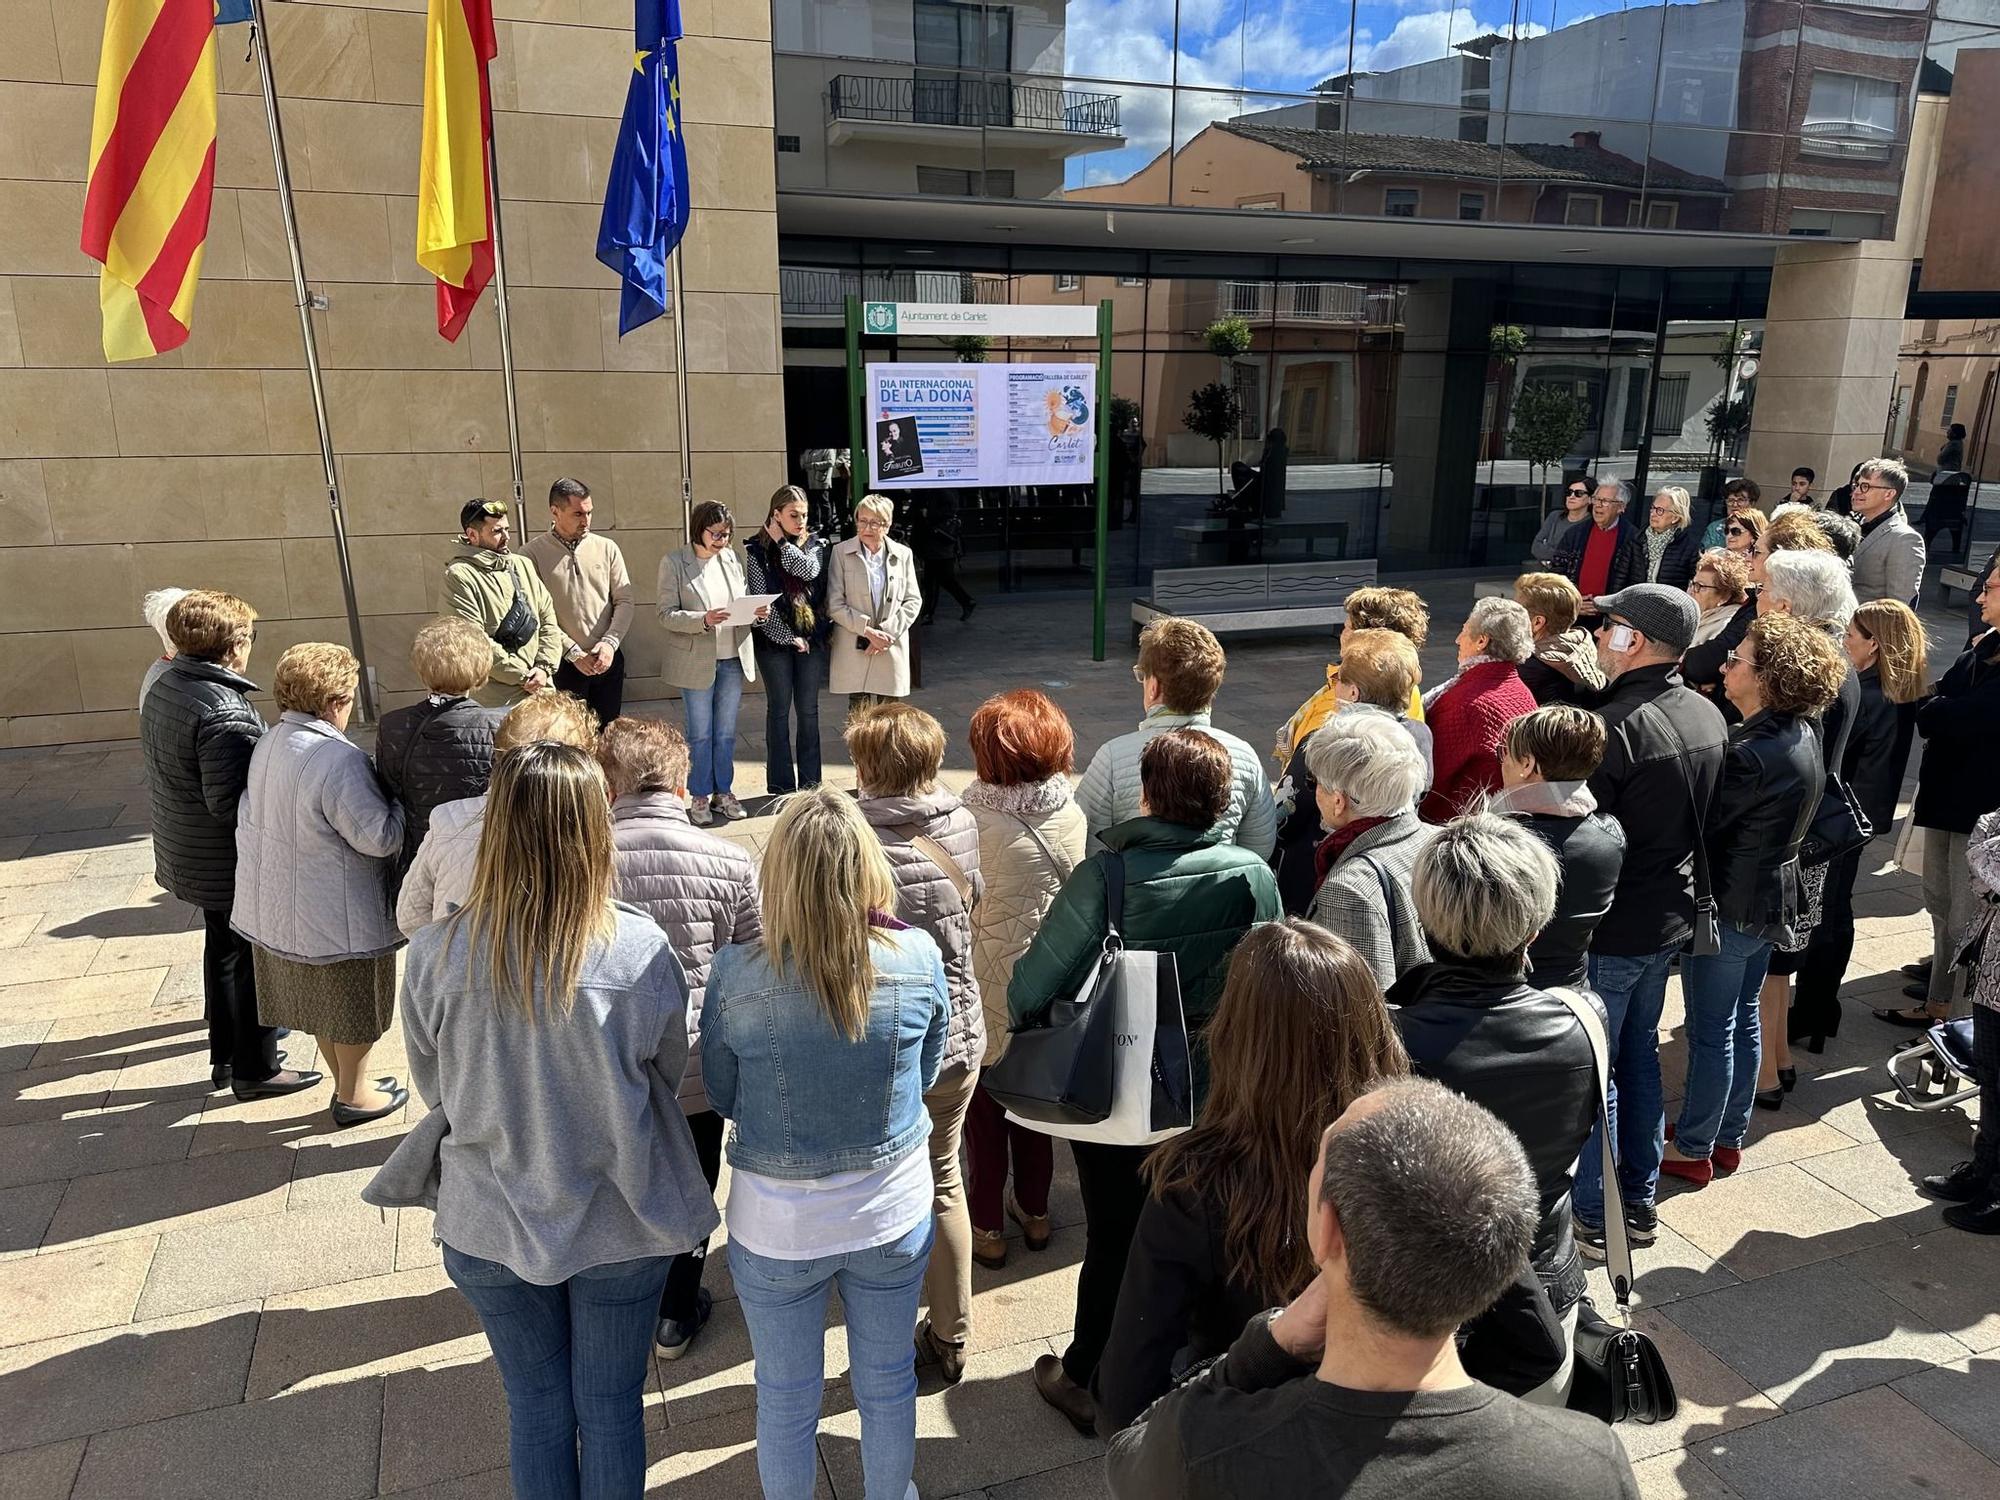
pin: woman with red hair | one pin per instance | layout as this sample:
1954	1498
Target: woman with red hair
1031	835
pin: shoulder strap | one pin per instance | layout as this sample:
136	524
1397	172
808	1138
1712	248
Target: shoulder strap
1388	893
1618	1249
938	855
1064	868
1701	885
1114	896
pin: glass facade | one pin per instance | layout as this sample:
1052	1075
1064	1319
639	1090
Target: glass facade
1423	410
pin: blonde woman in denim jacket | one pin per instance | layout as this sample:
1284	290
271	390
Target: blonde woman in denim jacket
818	1044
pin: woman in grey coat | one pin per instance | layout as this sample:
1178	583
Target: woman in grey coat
933	846
1369	775
317	841
702	891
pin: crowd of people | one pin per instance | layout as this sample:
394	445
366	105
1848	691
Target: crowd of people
1391	944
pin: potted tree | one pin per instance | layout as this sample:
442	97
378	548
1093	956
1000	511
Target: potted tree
1548	420
1214	412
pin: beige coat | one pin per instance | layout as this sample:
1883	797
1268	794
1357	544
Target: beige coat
851	607
1022	879
690	655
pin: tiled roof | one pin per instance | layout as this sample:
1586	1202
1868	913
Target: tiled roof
1362	151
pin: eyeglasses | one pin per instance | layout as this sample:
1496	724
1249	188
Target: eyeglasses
1138	674
1579	494
1736	530
1737	659
718	534
871	524
1705	586
492	508
1865	484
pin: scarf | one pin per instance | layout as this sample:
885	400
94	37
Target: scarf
1656	548
1335	844
1020	797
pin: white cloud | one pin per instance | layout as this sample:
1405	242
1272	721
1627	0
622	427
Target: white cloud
1432	34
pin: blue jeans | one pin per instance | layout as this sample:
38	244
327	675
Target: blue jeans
792	681
1723	1043
784	1304
1634	992
574	1358
711	730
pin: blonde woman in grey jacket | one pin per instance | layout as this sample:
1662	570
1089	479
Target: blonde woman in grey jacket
933	848
1031	836
702	890
316	844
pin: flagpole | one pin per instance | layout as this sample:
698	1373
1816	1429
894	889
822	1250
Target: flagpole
681	394
506	332
258	41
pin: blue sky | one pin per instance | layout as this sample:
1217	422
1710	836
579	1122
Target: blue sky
1241	48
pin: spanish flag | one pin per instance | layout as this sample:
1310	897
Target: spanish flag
152	169
454	207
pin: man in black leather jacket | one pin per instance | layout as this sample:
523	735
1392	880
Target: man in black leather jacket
1662	759
196	732
1483	888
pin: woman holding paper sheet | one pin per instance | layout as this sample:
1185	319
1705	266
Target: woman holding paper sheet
707	659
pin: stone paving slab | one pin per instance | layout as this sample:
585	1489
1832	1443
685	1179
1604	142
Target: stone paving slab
1873	1445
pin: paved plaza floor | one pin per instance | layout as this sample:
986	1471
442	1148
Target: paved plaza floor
195	1303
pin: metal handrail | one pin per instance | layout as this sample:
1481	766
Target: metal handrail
971	99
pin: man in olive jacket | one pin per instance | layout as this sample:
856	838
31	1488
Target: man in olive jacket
500	592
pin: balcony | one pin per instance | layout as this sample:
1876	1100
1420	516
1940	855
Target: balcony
945	108
1319	304
805	293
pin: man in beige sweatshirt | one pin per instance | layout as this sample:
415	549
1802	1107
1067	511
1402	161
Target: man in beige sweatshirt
585	574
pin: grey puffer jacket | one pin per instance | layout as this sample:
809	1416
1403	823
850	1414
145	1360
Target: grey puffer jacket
440	877
315	840
927	899
700	889
1030	837
433	752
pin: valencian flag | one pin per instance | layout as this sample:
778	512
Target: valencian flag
454	208
646	203
152	168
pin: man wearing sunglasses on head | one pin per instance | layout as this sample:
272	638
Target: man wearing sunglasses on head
1576	506
500	592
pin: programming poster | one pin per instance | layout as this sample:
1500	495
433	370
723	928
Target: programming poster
939	426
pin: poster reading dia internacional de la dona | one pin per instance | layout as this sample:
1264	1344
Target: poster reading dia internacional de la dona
935	426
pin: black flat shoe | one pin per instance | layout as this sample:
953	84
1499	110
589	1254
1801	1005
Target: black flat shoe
1921	969
276	1085
1964	1183
219	1075
1770	1098
1915	1017
1921	990
345	1115
1788	1079
1816	1045
1981	1218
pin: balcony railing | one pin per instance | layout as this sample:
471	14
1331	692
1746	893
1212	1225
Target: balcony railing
971	99
807	293
1323	303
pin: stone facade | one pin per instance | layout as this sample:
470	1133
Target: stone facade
202	468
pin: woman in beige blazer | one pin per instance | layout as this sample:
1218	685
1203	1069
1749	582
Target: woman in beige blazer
870	649
706	659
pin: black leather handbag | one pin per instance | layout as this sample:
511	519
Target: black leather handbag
1838	826
1619	1375
1062	1070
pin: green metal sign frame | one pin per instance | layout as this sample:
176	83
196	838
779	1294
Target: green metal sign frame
876	325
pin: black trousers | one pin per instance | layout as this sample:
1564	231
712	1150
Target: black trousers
1113	1194
605	693
677	1300
1986	1063
229	1002
1816	979
941	577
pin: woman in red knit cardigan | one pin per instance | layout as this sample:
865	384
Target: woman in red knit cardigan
1469	715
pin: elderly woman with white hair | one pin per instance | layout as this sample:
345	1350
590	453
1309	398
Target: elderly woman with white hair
1484	887
873	599
1368	773
1812	586
1471	712
155	607
1672	545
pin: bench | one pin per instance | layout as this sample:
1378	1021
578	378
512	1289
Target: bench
1217	532
1271	597
1954	577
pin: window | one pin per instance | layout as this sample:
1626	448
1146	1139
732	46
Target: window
1248	382
1950	406
1270	201
958	182
1131	281
1662	215
1840	224
1068	283
955	43
1670	407
1851	115
1399	203
1472	205
1583	208
788	143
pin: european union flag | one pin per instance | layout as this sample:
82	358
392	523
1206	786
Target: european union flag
227	11
646	202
